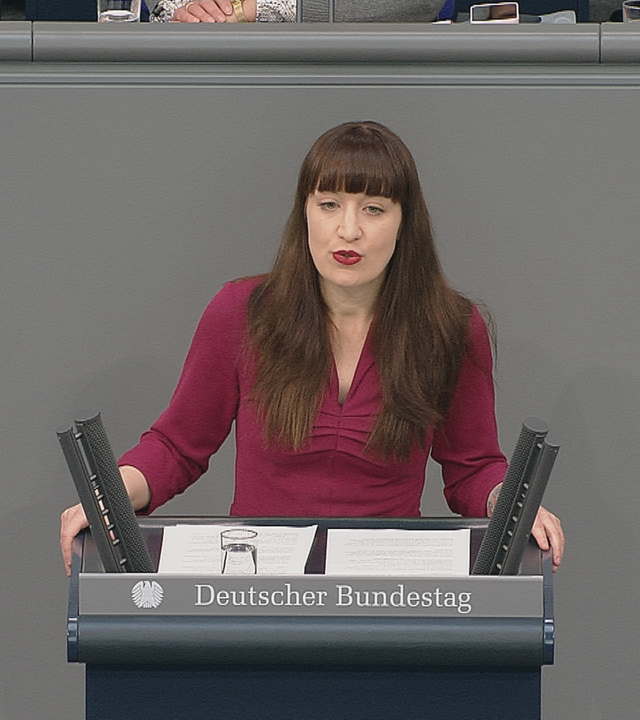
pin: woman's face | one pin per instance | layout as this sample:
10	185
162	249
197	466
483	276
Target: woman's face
352	237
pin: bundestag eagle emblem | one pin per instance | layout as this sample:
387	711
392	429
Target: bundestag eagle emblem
147	594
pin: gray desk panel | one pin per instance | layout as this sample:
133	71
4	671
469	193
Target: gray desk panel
619	43
280	75
366	43
15	41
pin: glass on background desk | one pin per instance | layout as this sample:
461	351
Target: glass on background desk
187	665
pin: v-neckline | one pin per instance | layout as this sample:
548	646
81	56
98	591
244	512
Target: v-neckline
365	360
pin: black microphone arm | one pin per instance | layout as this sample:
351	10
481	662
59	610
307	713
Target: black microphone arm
524	484
104	498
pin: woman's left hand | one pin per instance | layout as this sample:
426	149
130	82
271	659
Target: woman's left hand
548	533
546	529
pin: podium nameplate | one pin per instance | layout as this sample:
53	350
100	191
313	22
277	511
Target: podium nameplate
311	595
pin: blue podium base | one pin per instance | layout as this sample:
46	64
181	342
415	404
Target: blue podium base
128	693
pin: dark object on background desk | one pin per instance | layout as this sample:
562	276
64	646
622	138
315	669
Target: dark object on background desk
497	12
65	10
520	497
539	7
104	498
69	10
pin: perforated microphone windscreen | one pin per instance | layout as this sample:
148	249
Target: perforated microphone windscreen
119	521
91	499
512	500
510	553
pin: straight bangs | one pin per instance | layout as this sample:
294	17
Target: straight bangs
360	160
419	330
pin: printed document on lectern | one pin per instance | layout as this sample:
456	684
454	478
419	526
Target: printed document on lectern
196	549
398	552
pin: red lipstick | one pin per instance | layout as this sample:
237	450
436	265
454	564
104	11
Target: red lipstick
347	257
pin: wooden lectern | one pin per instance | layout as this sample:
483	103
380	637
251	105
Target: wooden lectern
177	661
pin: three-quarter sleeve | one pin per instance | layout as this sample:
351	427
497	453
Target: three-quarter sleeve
176	450
466	444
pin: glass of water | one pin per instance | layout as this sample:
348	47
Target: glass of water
239	551
119	10
631	10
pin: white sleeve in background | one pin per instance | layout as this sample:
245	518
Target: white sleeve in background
163	10
275	10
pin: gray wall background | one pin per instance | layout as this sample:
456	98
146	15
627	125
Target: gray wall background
125	205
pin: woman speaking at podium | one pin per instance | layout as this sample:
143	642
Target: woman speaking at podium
344	368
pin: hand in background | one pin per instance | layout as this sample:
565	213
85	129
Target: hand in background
213	11
204	11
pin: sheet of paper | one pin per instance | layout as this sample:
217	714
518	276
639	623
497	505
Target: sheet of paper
195	549
398	552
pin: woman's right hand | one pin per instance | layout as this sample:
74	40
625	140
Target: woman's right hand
72	521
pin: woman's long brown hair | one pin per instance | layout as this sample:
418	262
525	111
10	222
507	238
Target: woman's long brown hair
420	324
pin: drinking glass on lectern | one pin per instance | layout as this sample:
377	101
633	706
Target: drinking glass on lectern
119	10
631	10
239	551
